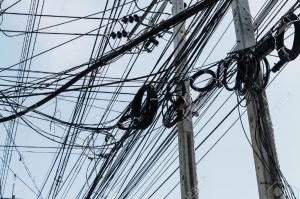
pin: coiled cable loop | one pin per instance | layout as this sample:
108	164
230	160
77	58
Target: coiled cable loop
228	74
175	89
209	86
247	74
174	113
265	76
142	111
284	53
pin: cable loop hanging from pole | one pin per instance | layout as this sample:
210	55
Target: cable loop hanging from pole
197	75
247	72
174	113
284	53
175	89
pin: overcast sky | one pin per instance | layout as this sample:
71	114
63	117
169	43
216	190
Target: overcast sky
226	172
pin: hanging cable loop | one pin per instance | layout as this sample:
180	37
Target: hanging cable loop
142	111
265	75
284	53
174	113
126	121
175	89
209	86
248	71
226	76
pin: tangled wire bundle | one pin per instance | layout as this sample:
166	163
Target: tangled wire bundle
175	112
242	71
140	114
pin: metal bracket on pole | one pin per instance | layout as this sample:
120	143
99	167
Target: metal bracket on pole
258	111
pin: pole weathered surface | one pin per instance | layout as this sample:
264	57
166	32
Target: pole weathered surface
187	163
265	158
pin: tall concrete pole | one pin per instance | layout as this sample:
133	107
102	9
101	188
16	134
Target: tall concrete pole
187	163
265	158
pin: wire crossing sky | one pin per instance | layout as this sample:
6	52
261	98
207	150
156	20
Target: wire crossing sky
88	103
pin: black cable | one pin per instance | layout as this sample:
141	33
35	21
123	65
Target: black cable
197	75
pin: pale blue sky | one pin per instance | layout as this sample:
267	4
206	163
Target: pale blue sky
226	172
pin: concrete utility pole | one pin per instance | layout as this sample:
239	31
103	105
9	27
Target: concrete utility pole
268	184
187	163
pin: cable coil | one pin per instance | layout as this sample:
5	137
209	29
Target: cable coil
141	114
175	113
209	86
284	53
175	89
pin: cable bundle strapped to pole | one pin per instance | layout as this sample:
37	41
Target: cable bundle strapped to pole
265	46
244	66
248	62
175	95
248	69
175	89
174	113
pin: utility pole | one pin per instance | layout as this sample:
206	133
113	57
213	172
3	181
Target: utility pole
265	158
187	163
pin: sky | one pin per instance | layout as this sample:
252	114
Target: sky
226	172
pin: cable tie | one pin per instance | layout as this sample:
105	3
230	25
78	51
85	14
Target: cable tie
286	54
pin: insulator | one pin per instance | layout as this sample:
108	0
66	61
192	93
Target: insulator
131	19
136	18
119	35
125	19
124	33
113	35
